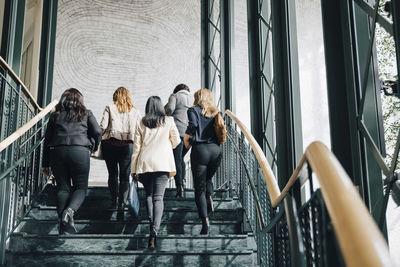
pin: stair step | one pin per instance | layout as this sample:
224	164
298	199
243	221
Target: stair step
170	214
189	227
169	203
136	258
21	242
48	196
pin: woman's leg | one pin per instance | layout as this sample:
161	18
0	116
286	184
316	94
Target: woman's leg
79	165
109	156
215	154
178	165
62	176
147	180
199	162
160	183
124	162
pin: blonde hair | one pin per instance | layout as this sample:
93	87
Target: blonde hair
204	99
123	100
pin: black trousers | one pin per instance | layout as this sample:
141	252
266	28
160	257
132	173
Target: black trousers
118	157
179	154
205	160
70	166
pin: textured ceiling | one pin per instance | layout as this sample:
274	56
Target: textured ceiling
148	46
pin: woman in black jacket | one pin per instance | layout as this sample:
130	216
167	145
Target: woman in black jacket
72	134
206	152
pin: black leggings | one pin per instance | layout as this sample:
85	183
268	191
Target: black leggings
118	156
205	160
70	164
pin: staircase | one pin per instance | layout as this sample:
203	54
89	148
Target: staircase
104	240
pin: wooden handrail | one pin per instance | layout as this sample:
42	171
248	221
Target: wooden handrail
24	88
24	128
360	240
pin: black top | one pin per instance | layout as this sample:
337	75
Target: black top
201	127
63	132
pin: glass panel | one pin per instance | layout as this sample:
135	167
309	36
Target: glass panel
313	89
31	44
215	51
241	62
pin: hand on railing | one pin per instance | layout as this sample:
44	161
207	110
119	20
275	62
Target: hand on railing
46	171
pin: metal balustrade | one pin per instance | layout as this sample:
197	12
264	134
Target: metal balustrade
299	234
21	179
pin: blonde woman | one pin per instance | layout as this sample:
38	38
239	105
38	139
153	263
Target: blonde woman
153	160
118	126
206	153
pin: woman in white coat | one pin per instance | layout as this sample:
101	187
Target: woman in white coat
153	159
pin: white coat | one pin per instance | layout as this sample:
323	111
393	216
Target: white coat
152	148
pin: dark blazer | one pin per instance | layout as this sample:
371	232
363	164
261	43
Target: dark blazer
63	132
202	128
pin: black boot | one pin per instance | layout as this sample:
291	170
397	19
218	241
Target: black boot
179	191
152	239
210	204
61	227
67	219
120	212
205	223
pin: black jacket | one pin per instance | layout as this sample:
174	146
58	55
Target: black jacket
202	128
63	132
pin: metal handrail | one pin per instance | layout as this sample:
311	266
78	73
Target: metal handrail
20	178
22	130
16	78
360	240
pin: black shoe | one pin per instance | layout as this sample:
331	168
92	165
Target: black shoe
205	223
114	203
210	204
67	219
179	191
120	212
61	228
152	239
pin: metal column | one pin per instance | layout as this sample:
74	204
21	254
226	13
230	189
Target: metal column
47	48
227	38
287	88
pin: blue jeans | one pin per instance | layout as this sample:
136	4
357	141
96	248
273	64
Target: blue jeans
118	157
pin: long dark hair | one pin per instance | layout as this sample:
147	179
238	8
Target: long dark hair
71	101
180	87
155	113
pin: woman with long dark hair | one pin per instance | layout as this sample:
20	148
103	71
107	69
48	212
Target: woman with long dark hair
206	152
118	125
177	106
153	160
72	134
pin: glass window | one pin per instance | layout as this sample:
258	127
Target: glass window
31	45
313	89
240	70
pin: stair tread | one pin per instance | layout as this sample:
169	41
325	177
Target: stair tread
140	252
143	221
127	236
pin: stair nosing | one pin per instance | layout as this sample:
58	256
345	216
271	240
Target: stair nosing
127	236
133	252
